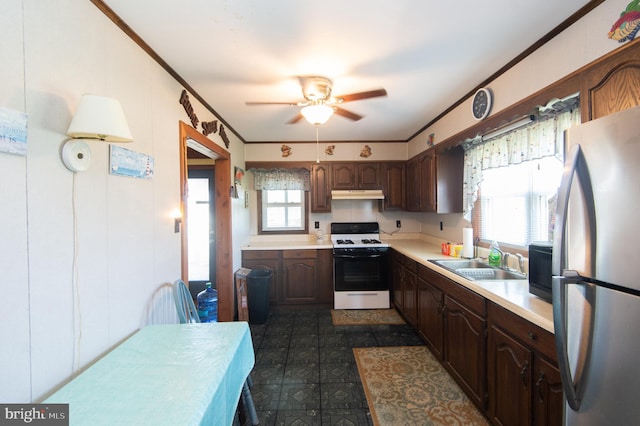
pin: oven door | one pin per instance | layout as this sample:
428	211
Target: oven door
361	270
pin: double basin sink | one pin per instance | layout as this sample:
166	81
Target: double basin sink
477	270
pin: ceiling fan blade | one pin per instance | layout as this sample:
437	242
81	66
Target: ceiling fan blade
347	114
295	119
272	103
362	95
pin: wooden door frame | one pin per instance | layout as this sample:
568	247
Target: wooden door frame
222	178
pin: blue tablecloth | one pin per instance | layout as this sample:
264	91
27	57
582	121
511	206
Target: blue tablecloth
180	374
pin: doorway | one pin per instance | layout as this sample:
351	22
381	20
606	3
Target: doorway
223	272
201	218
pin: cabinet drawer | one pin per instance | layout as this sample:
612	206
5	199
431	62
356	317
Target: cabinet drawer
529	334
299	254
260	254
473	301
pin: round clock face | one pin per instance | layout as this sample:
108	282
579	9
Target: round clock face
481	105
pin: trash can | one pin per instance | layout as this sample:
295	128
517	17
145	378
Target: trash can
258	282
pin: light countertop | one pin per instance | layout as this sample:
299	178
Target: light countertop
513	295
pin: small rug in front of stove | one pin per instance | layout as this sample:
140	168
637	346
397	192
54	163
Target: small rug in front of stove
365	316
406	385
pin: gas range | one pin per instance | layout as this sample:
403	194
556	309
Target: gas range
356	235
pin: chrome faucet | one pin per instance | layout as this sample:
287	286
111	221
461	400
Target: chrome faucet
521	262
504	264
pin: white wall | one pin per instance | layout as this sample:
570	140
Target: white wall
86	258
577	46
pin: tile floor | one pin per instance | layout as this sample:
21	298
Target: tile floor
305	371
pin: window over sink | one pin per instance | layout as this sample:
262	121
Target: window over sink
283	210
511	180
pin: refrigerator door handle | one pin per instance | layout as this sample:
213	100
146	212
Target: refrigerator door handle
575	164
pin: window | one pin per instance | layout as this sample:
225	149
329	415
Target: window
511	180
282	200
283	210
516	204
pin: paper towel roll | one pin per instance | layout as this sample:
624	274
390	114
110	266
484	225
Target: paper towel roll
467	243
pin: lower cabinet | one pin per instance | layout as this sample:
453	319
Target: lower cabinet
505	364
299	276
430	308
524	383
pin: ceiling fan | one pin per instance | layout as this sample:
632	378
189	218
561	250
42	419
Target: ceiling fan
318	104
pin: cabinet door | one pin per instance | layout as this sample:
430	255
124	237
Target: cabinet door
464	353
509	387
394	186
548	402
368	176
410	292
298	281
427	165
320	188
271	265
412	191
343	176
430	320
397	274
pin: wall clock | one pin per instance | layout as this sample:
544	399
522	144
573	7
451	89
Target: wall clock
481	105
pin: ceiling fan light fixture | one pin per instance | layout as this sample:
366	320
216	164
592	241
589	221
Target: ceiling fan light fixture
317	114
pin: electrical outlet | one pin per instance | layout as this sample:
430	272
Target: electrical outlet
441	225
316	224
398	224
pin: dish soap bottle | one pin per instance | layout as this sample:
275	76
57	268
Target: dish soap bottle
495	256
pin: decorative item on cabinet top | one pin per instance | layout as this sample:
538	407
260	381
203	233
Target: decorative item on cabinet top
366	151
627	26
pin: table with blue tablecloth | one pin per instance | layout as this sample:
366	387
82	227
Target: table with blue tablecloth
177	374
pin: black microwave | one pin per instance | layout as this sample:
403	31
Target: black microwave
540	255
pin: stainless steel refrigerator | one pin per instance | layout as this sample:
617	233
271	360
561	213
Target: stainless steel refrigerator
596	268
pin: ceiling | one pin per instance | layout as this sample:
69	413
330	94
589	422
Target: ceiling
427	54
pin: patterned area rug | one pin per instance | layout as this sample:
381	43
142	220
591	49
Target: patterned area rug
406	385
365	316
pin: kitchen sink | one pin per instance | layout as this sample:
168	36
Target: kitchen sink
477	270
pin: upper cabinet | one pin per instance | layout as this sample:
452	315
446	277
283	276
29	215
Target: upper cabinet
320	188
359	175
394	175
434	181
612	84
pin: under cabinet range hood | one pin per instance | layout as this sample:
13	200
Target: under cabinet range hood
357	194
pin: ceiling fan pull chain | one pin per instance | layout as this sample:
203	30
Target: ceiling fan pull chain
317	146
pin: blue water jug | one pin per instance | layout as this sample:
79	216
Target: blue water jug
208	304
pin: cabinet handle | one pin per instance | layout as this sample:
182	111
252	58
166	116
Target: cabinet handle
523	373
539	383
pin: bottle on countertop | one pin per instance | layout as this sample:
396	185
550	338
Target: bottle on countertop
495	255
208	304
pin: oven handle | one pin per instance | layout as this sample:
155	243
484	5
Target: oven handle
351	256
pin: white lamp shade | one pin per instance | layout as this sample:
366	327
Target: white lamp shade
317	114
98	117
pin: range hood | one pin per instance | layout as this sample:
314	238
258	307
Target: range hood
357	194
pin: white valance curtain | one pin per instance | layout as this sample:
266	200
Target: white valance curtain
279	179
541	138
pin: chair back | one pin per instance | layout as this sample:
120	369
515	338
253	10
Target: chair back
187	312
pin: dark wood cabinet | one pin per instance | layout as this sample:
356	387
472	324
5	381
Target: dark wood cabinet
394	185
434	181
265	259
524	385
356	175
410	291
430	311
465	344
320	188
397	280
404	286
299	276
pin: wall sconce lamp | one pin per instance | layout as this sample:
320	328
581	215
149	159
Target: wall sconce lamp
97	118
177	220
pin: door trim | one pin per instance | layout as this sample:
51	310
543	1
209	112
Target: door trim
189	137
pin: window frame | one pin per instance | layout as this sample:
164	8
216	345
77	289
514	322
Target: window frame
305	203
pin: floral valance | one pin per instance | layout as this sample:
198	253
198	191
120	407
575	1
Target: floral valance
274	179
